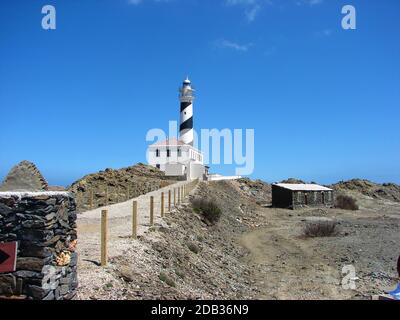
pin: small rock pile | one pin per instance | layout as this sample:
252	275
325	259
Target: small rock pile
24	176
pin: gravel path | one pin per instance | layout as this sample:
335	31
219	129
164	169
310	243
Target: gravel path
119	233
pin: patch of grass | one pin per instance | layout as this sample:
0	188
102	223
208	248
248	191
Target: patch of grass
320	229
208	208
165	278
346	202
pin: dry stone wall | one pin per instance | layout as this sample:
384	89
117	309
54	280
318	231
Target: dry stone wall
44	225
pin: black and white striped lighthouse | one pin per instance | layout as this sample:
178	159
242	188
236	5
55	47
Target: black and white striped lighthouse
186	98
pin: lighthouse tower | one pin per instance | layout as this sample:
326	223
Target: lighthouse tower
186	98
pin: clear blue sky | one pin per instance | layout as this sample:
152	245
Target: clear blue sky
323	101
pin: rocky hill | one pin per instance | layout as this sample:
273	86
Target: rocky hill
386	191
113	186
258	190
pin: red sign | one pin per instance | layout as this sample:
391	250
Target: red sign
8	256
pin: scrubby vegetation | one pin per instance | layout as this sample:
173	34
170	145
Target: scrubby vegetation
320	229
208	208
346	202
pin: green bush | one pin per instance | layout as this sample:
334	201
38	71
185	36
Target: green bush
208	208
346	202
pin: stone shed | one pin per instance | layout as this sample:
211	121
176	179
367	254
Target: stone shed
42	225
294	196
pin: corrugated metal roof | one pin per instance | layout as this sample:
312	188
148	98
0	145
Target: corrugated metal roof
302	187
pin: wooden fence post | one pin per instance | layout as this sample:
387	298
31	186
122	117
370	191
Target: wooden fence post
179	195
151	210
91	199
162	204
104	237
174	197
169	200
134	220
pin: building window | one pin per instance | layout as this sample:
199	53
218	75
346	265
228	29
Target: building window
168	153
158	166
179	152
157	153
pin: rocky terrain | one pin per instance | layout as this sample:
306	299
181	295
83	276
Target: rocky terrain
253	251
181	257
386	191
113	186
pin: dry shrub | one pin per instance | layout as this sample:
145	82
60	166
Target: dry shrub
346	202
320	229
193	247
208	208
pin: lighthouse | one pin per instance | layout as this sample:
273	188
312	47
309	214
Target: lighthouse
186	98
178	157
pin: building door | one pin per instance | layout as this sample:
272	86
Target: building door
323	197
306	199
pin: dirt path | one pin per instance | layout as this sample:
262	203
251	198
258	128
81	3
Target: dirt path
285	268
288	266
120	230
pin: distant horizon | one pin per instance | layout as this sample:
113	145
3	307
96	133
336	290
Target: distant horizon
55	182
323	101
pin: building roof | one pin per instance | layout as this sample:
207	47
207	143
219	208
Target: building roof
302	186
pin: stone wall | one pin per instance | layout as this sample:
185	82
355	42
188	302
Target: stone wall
313	199
44	225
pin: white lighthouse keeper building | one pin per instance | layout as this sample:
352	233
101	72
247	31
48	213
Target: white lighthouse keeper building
179	157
